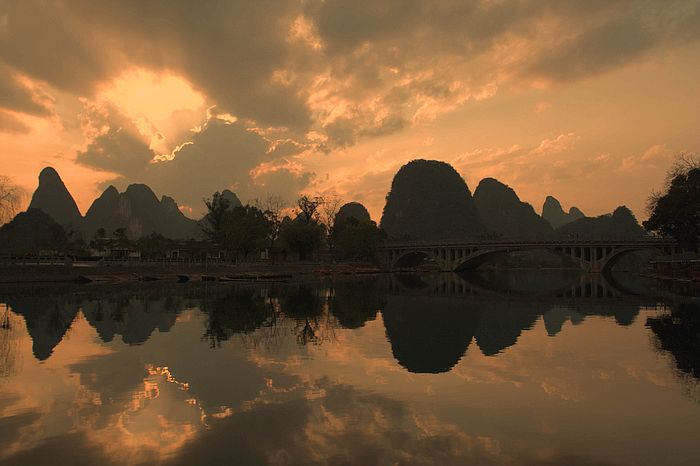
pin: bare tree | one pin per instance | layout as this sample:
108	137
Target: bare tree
10	196
308	208
329	210
272	207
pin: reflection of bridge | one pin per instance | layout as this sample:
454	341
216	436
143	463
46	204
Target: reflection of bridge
584	287
593	256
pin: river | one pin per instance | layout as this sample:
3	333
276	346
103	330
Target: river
515	368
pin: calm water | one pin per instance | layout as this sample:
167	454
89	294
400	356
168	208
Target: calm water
519	368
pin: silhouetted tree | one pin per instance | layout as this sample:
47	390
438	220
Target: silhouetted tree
308	208
302	238
329	212
676	212
272	207
357	240
211	224
153	246
244	230
9	199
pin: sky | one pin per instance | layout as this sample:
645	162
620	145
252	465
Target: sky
586	100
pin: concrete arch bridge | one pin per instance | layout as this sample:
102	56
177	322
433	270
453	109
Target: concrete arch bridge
592	256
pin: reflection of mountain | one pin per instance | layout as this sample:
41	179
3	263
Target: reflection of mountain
678	332
425	315
555	318
429	334
356	302
502	323
133	317
47	319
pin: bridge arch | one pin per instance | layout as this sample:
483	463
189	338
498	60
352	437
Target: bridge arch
618	253
591	255
481	256
424	253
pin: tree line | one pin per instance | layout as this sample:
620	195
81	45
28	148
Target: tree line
312	227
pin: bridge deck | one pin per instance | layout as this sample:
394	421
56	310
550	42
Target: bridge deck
525	243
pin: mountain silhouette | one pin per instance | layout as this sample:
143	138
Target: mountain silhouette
352	210
53	198
555	215
504	214
139	211
429	200
232	199
30	232
621	224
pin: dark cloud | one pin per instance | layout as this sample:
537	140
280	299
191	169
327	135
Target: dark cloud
16	96
260	60
223	155
118	146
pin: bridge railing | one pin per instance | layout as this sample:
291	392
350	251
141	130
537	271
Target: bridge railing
518	243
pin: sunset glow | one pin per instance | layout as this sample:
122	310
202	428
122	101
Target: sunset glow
587	103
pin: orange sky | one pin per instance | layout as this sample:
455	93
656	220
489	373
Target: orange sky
587	101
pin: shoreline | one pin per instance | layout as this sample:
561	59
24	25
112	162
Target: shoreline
134	273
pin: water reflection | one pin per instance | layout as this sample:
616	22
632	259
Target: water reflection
430	320
323	372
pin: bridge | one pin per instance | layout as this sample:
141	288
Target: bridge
592	255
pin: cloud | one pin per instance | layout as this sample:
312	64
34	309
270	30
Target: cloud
221	155
10	123
351	69
562	143
320	75
118	146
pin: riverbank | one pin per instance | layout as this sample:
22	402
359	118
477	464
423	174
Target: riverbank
139	272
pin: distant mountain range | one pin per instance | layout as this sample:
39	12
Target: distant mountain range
138	210
505	215
555	215
429	200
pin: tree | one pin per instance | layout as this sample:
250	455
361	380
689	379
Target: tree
329	211
10	196
211	224
676	212
357	240
272	207
153	246
308	208
244	230
302	238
